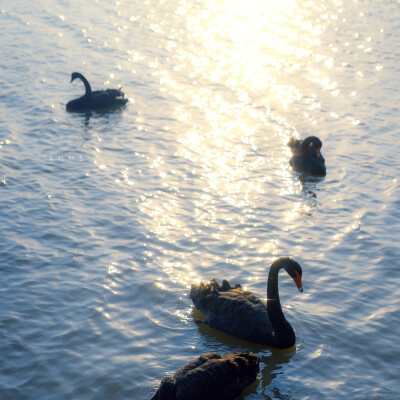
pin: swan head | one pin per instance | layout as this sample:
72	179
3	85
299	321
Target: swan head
75	75
311	146
293	268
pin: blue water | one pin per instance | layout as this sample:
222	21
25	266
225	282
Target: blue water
107	218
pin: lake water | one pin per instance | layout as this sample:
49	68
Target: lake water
107	218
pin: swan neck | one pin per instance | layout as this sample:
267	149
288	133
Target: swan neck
284	334
88	89
272	288
274	307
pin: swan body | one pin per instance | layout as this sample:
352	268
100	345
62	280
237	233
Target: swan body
212	376
307	156
97	100
243	314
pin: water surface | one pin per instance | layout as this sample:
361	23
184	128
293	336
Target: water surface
107	218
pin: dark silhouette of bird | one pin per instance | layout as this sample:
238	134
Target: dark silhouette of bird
212	376
97	100
243	314
307	156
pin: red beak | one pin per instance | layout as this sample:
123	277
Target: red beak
297	281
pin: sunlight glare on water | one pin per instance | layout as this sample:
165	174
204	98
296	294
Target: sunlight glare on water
241	51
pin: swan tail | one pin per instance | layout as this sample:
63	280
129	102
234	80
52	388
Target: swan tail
120	102
115	93
295	145
204	295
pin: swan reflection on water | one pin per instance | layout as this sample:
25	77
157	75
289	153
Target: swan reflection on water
106	119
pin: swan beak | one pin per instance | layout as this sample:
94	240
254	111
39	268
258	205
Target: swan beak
297	281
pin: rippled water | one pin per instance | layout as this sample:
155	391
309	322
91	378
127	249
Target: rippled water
108	218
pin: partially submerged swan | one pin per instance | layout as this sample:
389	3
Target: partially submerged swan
307	156
97	100
243	314
210	377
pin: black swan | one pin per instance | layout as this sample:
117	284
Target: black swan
97	100
210	377
307	156
243	314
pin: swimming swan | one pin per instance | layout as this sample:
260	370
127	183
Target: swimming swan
243	314
210	377
97	100
307	156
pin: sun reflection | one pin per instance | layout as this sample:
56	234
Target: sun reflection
353	226
298	209
235	71
269	247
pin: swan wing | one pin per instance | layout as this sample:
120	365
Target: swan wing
192	365
107	98
114	93
213	376
295	145
237	312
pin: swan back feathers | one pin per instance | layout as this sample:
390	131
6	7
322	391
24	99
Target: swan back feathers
234	311
211	376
